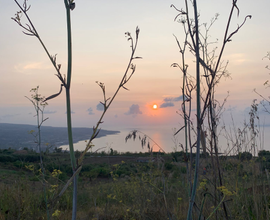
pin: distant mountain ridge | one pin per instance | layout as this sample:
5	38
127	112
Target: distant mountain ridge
17	136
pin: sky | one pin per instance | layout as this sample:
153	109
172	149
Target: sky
101	53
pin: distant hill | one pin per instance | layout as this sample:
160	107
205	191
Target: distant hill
17	136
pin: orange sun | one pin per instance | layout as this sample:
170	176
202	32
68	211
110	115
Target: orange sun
155	106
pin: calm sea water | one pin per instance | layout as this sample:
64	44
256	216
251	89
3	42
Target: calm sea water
161	137
165	139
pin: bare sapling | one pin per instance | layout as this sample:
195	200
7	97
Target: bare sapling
39	105
30	30
213	69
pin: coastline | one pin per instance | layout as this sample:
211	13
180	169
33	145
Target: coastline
18	136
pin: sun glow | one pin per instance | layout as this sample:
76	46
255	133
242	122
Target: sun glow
155	106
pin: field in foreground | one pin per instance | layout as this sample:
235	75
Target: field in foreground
133	186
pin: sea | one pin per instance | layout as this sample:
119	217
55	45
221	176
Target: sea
159	139
163	139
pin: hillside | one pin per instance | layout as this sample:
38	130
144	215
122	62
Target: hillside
17	136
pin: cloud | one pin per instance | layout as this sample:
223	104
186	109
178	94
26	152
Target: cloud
173	99
166	104
49	112
116	116
22	67
134	110
169	101
238	58
90	111
10	115
100	107
33	66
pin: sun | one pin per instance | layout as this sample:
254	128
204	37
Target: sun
155	106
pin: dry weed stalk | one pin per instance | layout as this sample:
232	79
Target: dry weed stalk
30	30
213	70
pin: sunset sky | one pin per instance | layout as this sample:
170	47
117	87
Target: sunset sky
101	53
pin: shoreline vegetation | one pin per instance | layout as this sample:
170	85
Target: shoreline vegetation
19	136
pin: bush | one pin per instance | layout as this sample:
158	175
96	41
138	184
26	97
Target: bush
7	158
8	151
87	167
123	170
104	172
63	176
34	178
183	170
244	156
19	164
168	166
264	153
58	150
264	156
229	166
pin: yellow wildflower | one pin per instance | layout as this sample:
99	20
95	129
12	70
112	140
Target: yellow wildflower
56	172
56	213
225	191
30	167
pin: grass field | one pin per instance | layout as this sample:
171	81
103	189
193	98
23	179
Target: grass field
129	186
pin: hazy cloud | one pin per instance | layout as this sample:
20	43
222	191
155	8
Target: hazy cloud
116	116
238	58
25	67
169	101
100	107
90	111
166	104
49	112
173	99
10	115
134	110
33	66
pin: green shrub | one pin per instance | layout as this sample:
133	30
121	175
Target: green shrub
34	178
264	153
7	158
183	170
264	156
123	170
63	176
168	166
244	156
104	172
87	167
8	151
19	164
